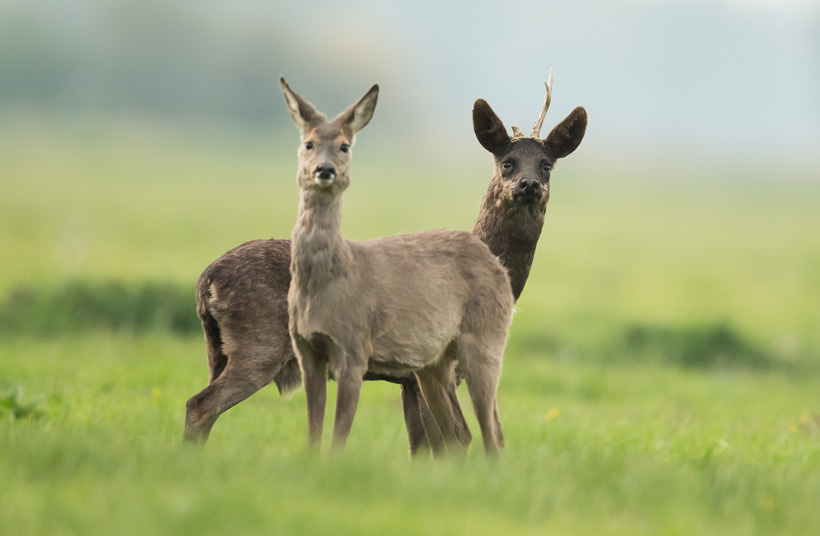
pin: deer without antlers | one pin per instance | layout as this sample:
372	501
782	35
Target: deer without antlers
419	302
242	296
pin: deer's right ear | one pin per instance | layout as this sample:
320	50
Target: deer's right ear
300	110
488	128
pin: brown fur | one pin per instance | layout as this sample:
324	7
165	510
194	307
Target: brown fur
421	302
252	282
512	216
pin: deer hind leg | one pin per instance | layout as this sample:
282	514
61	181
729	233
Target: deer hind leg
431	430
313	362
438	387
499	435
246	371
481	365
417	417
462	430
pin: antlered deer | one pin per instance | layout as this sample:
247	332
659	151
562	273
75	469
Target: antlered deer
420	302
242	296
513	208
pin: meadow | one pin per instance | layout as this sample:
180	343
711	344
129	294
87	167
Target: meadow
661	375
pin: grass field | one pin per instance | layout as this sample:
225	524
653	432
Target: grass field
661	376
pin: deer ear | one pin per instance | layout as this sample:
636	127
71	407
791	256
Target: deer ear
359	114
567	135
488	128
300	110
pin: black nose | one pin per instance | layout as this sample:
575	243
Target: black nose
530	186
325	171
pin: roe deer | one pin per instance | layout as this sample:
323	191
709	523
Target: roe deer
510	219
513	208
242	296
420	302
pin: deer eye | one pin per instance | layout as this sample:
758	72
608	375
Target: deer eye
546	167
309	145
344	148
507	165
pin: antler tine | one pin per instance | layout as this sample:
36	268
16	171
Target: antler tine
536	129
517	134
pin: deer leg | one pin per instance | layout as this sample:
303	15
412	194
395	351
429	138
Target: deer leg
349	376
462	430
486	411
422	430
415	410
482	369
417	416
434	381
241	378
499	435
434	438
314	370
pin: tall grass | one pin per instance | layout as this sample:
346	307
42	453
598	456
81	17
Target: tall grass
660	378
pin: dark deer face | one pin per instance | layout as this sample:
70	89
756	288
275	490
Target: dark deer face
523	165
325	150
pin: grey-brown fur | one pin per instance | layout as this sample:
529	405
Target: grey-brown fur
242	303
420	302
513	208
252	282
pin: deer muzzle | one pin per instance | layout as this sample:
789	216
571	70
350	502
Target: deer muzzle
324	174
528	191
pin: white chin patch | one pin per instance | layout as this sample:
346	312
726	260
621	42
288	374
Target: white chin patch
324	183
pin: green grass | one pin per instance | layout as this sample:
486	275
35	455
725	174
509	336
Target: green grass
661	375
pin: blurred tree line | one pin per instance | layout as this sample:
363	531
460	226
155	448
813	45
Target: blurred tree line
176	60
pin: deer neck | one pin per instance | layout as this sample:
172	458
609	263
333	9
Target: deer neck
511	231
319	253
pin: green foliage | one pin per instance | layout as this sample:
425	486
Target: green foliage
660	377
591	449
718	345
699	346
79	306
13	406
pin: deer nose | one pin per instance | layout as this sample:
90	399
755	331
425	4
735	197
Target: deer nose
325	172
530	186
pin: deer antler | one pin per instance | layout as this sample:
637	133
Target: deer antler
517	134
536	129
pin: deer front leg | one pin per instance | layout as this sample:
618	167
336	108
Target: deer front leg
314	370
349	376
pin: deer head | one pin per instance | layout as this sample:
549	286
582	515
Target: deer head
513	208
324	152
523	164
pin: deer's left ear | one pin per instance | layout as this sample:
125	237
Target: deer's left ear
567	135
359	114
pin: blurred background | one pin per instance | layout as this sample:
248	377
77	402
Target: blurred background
142	139
690	79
